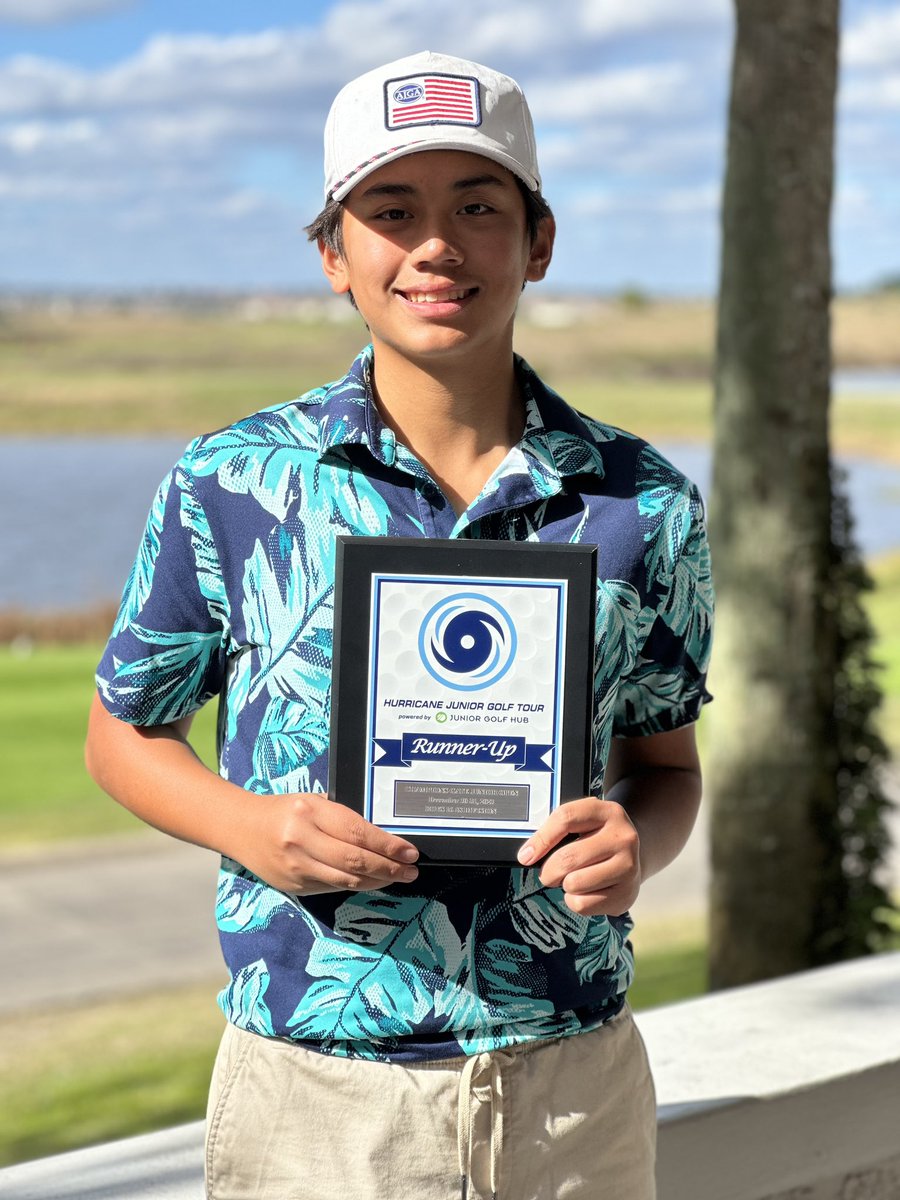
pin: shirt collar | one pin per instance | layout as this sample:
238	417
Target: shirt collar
348	415
555	443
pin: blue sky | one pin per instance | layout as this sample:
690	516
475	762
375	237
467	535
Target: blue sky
148	143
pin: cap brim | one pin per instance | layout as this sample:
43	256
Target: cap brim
467	145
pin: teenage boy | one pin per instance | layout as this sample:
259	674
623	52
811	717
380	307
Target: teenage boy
395	1031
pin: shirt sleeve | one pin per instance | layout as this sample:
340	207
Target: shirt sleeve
166	655
667	687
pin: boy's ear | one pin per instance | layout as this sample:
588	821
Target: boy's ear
541	250
335	269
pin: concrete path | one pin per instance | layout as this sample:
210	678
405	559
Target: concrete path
104	918
115	916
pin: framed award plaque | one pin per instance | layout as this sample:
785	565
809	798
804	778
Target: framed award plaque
462	689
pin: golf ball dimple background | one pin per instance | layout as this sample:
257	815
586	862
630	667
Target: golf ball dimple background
402	607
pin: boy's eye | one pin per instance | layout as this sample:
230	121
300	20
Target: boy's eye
393	214
476	208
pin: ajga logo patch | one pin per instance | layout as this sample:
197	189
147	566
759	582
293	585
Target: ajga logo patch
431	100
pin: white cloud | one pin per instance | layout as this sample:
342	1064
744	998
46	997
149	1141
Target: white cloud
68	189
304	67
602	19
575	149
679	152
31	138
703	199
874	41
54	12
156	162
646	91
872	94
244	203
853	202
634	151
699	200
869	146
283	66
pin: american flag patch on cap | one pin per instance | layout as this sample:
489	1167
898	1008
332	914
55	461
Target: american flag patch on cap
431	100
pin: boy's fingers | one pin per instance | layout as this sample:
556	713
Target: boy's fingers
345	825
575	817
345	865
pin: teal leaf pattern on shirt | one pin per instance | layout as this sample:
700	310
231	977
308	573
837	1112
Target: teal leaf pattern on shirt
602	950
371	981
360	993
353	504
688	608
540	915
491	985
141	578
619	633
416	927
503	979
173	676
262	457
244	1003
237	691
209	571
400	959
542	1028
654	697
665	502
288	611
573	455
292	735
253	906
618	609
362	1049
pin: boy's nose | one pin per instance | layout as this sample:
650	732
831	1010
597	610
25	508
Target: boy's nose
438	249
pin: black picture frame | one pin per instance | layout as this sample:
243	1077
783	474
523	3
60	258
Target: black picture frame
359	560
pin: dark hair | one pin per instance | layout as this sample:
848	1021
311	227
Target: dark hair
328	225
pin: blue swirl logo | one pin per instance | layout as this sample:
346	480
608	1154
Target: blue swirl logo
467	641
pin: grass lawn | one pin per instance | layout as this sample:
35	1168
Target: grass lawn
120	1068
164	371
646	367
45	694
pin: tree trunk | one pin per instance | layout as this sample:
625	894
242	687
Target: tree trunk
771	763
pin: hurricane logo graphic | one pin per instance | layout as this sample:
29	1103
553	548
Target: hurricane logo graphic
467	641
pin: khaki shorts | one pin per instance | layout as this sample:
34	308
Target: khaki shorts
571	1119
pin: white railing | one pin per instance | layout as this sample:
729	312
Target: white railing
788	1090
779	1091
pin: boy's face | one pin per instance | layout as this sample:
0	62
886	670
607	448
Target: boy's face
436	252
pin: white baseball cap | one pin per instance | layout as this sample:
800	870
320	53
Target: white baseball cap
427	102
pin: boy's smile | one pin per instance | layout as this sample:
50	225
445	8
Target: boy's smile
435	252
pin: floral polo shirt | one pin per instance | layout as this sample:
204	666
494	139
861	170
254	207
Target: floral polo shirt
231	597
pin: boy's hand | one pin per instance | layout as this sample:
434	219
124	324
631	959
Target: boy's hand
306	843
600	870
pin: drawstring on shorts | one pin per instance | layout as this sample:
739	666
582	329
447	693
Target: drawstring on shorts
482	1079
